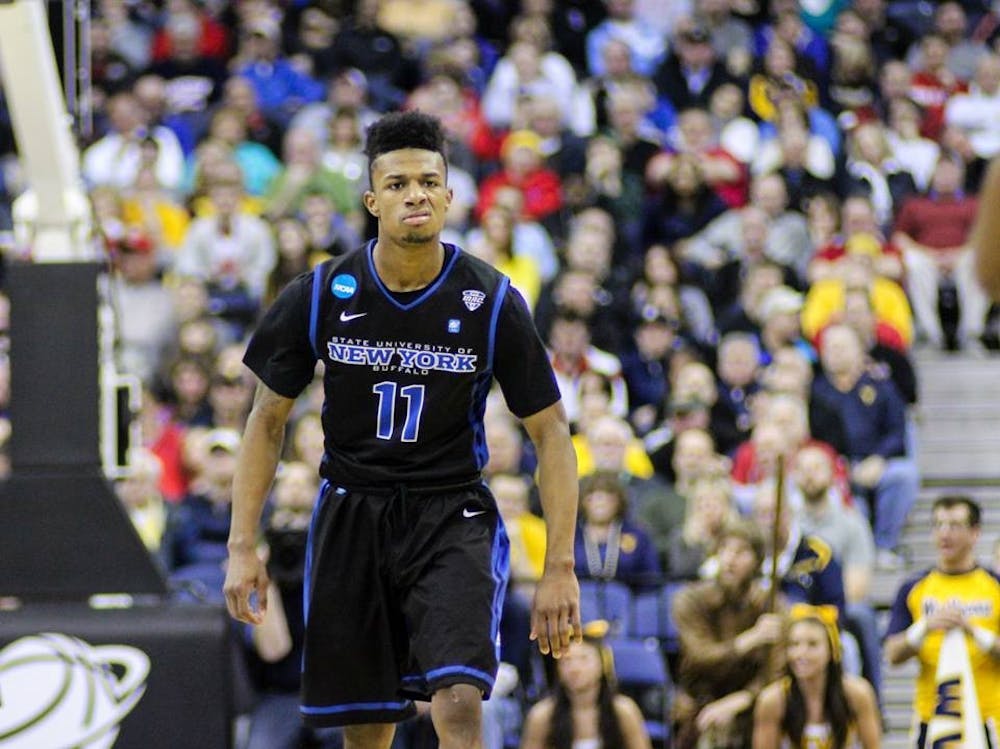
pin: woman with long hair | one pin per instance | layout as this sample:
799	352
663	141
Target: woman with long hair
817	705
585	710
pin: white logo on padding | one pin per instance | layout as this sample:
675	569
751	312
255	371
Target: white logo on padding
59	691
473	299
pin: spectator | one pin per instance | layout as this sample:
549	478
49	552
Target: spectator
585	686
495	245
722	171
609	545
962	53
873	172
115	159
974	111
646	367
875	421
282	89
909	146
933	83
194	73
821	513
858	223
780	326
692	71
692	548
933	230
572	354
685	205
825	302
260	167
231	252
692	457
204	514
531	70
729	645
305	173
151	515
943	599
647	47
145	308
523	167
346	90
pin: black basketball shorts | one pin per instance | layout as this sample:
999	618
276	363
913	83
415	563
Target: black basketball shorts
403	594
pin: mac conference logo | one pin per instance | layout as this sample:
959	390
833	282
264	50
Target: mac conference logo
58	691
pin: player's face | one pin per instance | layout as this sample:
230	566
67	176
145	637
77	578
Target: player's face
409	195
808	649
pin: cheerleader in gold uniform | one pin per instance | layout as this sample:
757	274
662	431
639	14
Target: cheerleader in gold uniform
817	705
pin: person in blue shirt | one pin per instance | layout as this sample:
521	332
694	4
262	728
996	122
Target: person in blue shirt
608	545
874	418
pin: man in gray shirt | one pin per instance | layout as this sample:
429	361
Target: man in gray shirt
850	538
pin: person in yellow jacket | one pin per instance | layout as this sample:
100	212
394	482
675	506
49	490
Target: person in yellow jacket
824	303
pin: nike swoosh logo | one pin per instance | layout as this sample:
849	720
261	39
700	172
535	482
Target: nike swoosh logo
467	513
344	317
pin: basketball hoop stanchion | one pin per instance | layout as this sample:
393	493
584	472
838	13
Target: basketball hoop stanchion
83	606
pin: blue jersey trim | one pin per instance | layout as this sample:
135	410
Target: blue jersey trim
352	706
466	670
370	251
307	579
314	309
501	575
501	294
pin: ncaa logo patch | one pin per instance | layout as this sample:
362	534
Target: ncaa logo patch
454	326
473	299
61	691
344	286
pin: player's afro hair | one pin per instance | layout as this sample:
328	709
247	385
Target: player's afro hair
399	130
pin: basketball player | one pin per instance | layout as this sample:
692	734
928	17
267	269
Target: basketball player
407	556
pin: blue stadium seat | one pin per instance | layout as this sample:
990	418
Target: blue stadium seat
643	675
653	616
606	599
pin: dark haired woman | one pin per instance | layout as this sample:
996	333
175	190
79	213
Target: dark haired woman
585	710
817	706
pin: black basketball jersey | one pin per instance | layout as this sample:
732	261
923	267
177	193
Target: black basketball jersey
405	381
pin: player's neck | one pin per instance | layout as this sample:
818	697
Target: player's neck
957	566
410	267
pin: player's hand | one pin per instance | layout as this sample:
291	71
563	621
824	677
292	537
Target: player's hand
946	619
246	575
555	612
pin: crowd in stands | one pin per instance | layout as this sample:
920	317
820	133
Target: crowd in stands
733	221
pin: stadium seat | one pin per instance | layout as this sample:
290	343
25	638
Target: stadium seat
606	599
643	675
653	616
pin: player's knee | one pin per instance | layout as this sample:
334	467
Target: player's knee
368	736
459	706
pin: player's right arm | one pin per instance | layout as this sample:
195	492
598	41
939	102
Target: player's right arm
256	464
986	232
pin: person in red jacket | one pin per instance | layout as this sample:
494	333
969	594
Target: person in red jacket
522	160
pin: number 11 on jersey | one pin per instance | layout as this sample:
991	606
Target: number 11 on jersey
414	397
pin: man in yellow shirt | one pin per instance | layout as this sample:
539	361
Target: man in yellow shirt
955	594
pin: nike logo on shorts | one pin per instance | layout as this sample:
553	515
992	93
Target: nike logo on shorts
344	317
467	513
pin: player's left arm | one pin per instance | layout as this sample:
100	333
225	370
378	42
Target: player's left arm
555	617
986	233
